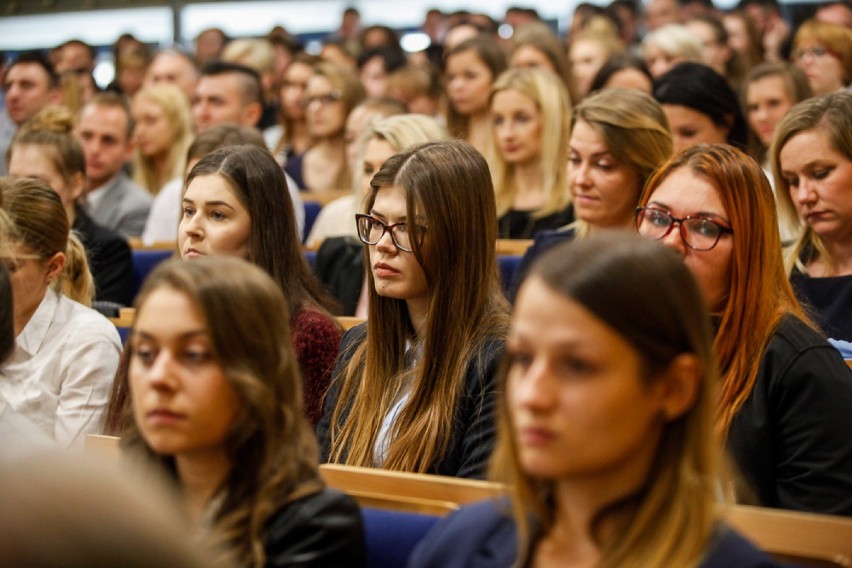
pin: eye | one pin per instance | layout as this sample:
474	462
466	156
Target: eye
520	359
657	218
574	160
402	228
196	355
822	174
145	353
792	181
705	228
188	212
605	166
572	366
218	215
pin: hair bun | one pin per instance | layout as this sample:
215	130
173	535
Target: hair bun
54	118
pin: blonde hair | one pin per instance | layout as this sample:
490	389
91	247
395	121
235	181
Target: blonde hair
255	53
645	294
172	101
634	130
39	223
551	99
675	40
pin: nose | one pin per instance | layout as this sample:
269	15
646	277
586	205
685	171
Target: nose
192	227
386	244
160	374
803	193
533	387
673	239
580	174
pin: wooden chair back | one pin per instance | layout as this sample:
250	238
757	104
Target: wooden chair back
411	492
513	247
803	539
348	322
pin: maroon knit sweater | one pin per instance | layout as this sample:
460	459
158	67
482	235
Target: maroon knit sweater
316	338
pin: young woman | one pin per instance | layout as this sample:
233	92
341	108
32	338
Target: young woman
700	106
216	401
291	137
414	386
46	148
606	423
770	90
618	138
812	159
61	372
528	141
163	134
330	95
470	69
785	393
625	71
535	45
339	263
588	51
667	46
824	52
236	204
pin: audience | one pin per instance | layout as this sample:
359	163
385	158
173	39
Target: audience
30	84
414	387
701	107
588	52
530	113
812	160
625	71
218	408
470	69
163	134
236	204
534	45
606	423
112	199
66	354
291	137
45	148
824	52
173	67
666	47
785	393
227	93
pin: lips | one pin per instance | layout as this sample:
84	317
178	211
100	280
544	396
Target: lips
192	253
164	417
534	436
382	270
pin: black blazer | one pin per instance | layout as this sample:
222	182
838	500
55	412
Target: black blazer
483	535
320	530
792	438
474	428
110	260
340	267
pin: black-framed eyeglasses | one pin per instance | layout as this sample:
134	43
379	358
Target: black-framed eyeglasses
324	99
699	233
371	231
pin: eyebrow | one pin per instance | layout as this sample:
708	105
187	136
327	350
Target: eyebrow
595	154
695	214
142	334
216	203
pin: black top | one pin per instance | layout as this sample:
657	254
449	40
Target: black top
110	260
792	438
293	167
517	224
484	535
545	240
474	428
321	530
829	300
340	267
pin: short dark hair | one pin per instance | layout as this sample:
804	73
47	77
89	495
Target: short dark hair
114	100
249	78
40	59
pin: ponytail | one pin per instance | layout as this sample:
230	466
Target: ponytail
76	280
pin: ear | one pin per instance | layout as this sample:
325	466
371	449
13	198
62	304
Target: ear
78	184
252	114
55	265
678	388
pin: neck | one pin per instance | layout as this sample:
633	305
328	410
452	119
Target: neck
300	138
528	180
334	143
840	253
478	126
417	311
22	317
624	224
201	475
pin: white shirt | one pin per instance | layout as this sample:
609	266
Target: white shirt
61	373
164	217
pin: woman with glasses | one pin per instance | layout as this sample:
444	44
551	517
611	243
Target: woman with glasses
413	388
812	159
785	393
824	52
606	423
330	95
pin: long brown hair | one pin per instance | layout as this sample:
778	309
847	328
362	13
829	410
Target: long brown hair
487	51
448	184
258	183
647	295
270	445
759	294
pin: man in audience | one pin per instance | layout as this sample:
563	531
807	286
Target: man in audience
227	93
209	44
75	56
174	67
658	13
30	84
839	12
106	132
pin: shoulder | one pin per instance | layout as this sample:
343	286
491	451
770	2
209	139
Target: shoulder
133	191
795	347
75	318
729	548
482	534
320	529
